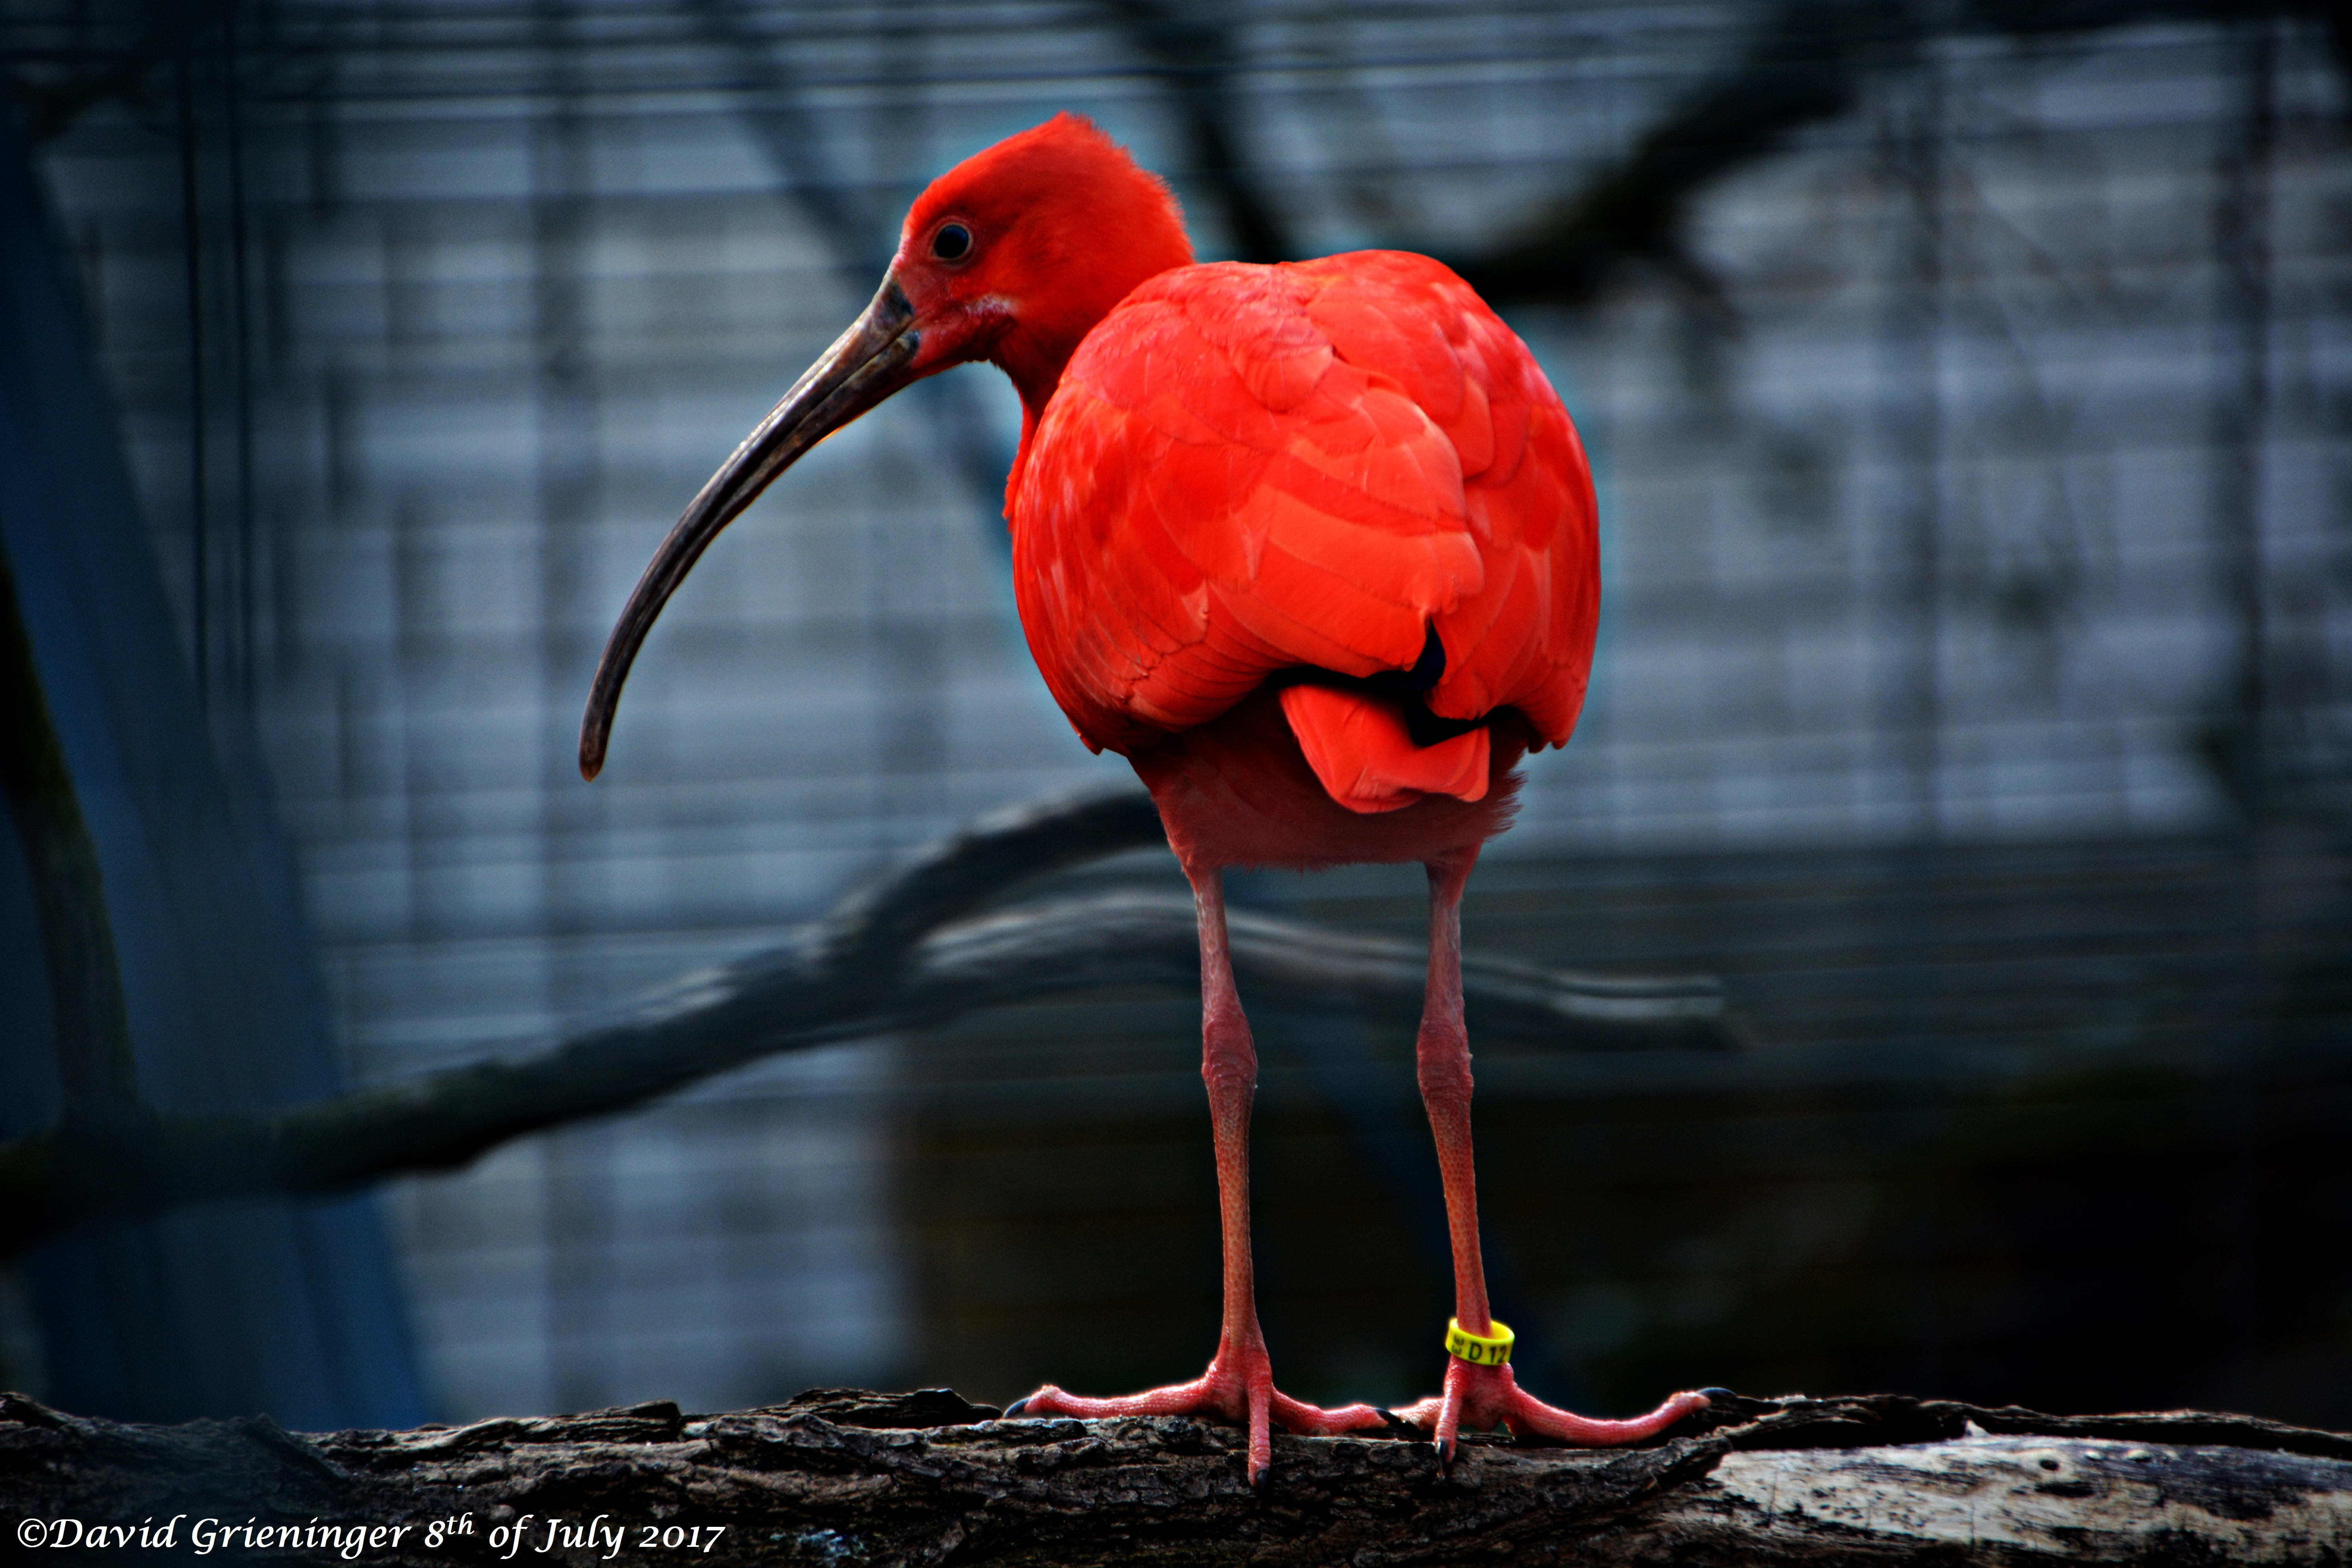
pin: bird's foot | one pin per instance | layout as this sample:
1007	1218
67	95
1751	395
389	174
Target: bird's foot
1238	1387
1484	1397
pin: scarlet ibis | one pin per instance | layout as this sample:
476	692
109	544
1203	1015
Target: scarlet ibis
1312	545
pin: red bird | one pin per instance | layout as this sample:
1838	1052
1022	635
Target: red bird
1311	545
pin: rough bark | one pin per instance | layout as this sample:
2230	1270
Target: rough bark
839	1475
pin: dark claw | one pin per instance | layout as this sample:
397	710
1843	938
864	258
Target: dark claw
1704	1393
1016	1409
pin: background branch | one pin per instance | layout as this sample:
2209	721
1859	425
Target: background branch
1192	50
905	952
1804	64
96	1070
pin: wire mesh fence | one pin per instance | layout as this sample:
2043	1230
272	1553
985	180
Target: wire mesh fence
1967	393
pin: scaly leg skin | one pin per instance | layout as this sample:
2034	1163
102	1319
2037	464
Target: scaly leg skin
1483	1396
1239	1384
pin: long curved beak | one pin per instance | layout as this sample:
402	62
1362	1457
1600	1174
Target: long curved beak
866	364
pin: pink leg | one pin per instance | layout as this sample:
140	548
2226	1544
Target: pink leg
1485	1397
1239	1384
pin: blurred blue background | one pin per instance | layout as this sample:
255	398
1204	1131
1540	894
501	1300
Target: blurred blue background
1967	386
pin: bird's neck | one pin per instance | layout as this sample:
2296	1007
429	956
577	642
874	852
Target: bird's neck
1029	415
1035	378
1051	324
1035	363
1034	359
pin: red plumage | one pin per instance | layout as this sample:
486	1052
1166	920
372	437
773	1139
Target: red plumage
1250	470
1313	545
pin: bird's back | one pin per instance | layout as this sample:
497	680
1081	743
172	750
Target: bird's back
1298	473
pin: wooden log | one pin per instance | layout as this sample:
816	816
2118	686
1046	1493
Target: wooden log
845	1477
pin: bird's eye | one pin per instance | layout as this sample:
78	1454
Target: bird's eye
953	243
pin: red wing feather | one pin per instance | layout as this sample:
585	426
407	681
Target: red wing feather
1250	469
1364	757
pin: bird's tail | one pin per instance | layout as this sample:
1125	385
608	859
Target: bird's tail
1359	747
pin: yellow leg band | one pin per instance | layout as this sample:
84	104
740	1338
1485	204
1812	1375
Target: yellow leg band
1478	1350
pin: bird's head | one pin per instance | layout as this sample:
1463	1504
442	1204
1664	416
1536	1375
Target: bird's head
1011	257
1015	254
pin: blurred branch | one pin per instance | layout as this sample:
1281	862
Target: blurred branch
92	1029
907	953
1194	53
861	237
2238	739
1803	64
795	139
51	108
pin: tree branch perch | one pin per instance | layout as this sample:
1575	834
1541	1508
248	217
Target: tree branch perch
839	1475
